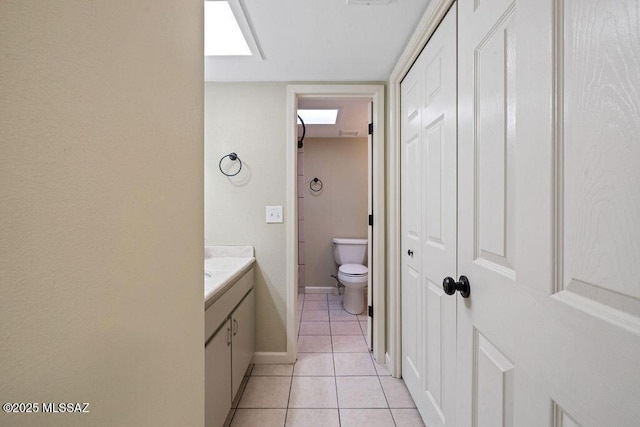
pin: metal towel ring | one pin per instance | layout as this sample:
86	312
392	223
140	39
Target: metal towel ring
315	182
232	157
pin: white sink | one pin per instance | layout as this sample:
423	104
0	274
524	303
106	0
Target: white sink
207	275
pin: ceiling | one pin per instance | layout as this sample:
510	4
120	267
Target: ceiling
321	40
352	116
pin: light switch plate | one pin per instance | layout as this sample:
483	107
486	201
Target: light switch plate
274	214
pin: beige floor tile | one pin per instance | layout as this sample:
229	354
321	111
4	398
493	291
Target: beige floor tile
335	297
314	344
266	392
313	392
315	297
313	418
360	392
396	392
336	304
315	315
349	344
314	364
366	417
259	417
342	315
316	305
315	328
353	364
345	328
407	418
270	370
381	369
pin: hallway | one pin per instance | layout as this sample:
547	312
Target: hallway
335	381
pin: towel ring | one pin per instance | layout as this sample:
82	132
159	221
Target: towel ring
232	157
315	185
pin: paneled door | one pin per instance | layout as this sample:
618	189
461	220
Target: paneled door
549	213
428	109
370	228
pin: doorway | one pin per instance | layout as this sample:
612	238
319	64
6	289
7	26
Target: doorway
298	94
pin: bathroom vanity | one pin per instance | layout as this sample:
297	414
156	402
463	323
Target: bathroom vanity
229	326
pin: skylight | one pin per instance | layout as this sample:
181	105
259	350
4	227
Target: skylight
222	34
318	117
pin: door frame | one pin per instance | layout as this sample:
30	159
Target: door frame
428	24
376	93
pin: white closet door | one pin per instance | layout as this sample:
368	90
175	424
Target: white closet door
429	226
369	337
549	209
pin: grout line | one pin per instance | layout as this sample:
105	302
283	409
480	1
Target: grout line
286	414
335	376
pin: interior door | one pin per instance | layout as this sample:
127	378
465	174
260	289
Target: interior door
428	137
370	227
549	117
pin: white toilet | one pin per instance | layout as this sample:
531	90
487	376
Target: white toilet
351	256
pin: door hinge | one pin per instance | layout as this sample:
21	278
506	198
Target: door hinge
370	311
370	128
371	219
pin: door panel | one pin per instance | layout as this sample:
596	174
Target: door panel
244	337
494	102
493	378
600	200
551	332
428	109
217	376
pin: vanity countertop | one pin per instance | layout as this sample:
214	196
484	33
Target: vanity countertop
223	266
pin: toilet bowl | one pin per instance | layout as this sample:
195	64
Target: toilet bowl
354	277
351	256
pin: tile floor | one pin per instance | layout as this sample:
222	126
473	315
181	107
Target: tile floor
335	381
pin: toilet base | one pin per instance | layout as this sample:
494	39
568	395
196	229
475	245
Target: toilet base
353	301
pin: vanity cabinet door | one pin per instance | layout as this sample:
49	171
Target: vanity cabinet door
243	329
217	355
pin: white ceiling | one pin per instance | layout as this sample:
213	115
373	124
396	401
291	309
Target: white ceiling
321	40
352	115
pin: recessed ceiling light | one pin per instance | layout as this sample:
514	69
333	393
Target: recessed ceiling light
318	117
226	30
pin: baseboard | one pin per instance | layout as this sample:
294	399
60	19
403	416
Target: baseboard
267	357
321	290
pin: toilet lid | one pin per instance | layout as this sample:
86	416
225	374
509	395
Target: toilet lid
353	269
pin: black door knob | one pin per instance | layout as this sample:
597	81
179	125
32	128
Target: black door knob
450	286
410	252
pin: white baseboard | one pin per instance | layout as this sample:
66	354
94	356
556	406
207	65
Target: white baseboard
321	290
266	357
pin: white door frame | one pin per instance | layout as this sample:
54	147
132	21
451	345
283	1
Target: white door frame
428	24
376	93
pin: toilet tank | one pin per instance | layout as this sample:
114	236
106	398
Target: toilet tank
350	251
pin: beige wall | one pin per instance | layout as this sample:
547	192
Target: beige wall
340	209
249	119
101	193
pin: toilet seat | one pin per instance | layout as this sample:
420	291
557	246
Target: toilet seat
353	270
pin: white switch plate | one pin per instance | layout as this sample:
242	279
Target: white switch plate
274	214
